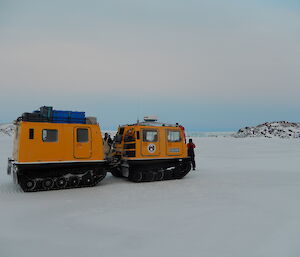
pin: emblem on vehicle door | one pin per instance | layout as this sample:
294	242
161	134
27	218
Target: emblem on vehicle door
151	148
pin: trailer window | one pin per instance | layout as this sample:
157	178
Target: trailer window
31	133
50	135
82	135
174	136
150	135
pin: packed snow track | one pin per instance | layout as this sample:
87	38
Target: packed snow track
243	200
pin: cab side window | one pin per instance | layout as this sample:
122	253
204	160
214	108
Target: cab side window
129	136
174	136
119	135
82	135
150	135
50	135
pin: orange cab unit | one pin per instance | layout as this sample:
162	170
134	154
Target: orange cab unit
150	151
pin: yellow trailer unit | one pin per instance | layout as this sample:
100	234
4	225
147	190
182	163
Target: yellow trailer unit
56	152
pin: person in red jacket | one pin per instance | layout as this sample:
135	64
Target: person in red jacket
191	153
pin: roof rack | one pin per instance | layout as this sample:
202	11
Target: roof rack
152	123
47	114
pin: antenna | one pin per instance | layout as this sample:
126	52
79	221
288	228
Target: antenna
139	108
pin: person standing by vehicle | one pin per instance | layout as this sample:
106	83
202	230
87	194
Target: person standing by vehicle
107	142
191	153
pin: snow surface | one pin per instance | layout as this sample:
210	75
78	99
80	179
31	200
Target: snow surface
243	200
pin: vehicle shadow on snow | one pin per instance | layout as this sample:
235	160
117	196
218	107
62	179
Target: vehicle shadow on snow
8	187
110	179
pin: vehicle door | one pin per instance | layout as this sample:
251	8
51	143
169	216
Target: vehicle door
82	143
174	142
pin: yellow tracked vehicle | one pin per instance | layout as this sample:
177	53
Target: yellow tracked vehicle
150	151
56	150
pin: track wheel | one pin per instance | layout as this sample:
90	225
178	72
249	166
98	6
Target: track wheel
168	174
159	175
88	180
74	181
148	176
47	183
30	185
136	176
61	182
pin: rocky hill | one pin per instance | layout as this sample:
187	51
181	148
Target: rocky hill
6	129
281	129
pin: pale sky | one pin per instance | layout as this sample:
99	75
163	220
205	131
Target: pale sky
211	65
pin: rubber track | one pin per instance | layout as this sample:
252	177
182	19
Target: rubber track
38	187
150	175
